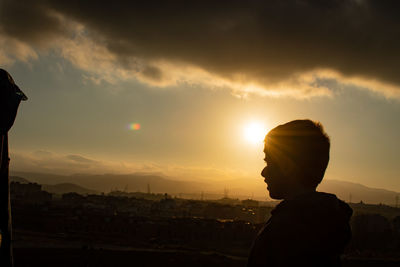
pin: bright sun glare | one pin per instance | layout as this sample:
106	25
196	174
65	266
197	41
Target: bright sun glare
254	132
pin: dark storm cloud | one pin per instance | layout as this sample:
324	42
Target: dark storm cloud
262	41
152	73
28	21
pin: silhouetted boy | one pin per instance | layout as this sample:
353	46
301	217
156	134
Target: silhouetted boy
308	228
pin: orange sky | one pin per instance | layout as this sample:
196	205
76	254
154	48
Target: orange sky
192	77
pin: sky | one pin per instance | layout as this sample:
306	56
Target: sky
171	86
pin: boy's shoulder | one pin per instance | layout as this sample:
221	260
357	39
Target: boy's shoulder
310	225
313	201
316	211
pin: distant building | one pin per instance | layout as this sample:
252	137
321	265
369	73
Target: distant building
396	224
371	232
30	192
371	223
228	201
250	203
72	196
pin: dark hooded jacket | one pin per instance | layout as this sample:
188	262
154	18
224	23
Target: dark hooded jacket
309	230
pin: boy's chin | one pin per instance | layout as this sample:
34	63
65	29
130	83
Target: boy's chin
275	195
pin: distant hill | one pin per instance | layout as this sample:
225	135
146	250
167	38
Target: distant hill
61	188
137	182
67	188
18	180
238	188
358	192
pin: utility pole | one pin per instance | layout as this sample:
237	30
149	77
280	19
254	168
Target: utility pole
148	189
226	192
10	97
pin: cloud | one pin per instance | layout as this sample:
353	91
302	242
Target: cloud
12	50
264	47
50	162
80	159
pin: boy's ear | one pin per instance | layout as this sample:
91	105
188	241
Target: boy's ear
291	170
287	168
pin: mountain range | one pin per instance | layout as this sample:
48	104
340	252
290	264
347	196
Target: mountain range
61	188
158	183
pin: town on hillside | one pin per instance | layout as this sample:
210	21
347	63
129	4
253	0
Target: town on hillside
101	228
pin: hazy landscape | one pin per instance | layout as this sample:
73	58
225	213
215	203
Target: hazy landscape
156	183
55	225
144	134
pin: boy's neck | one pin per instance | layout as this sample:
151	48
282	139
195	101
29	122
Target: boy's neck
297	190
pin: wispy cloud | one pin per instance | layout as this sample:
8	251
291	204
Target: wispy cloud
46	161
265	47
13	49
49	162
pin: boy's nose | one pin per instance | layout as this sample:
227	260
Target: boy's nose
264	172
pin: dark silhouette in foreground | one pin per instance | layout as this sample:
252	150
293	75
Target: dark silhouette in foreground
10	97
308	228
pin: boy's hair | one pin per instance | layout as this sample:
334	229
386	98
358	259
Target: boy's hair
301	144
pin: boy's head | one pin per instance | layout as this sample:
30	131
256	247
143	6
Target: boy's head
10	97
297	154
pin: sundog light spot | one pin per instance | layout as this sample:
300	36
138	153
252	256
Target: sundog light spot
134	126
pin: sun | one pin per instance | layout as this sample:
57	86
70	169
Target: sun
254	132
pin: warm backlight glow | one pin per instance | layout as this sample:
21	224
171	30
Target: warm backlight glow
255	132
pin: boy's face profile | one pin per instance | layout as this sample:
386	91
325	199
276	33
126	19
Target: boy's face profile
275	179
